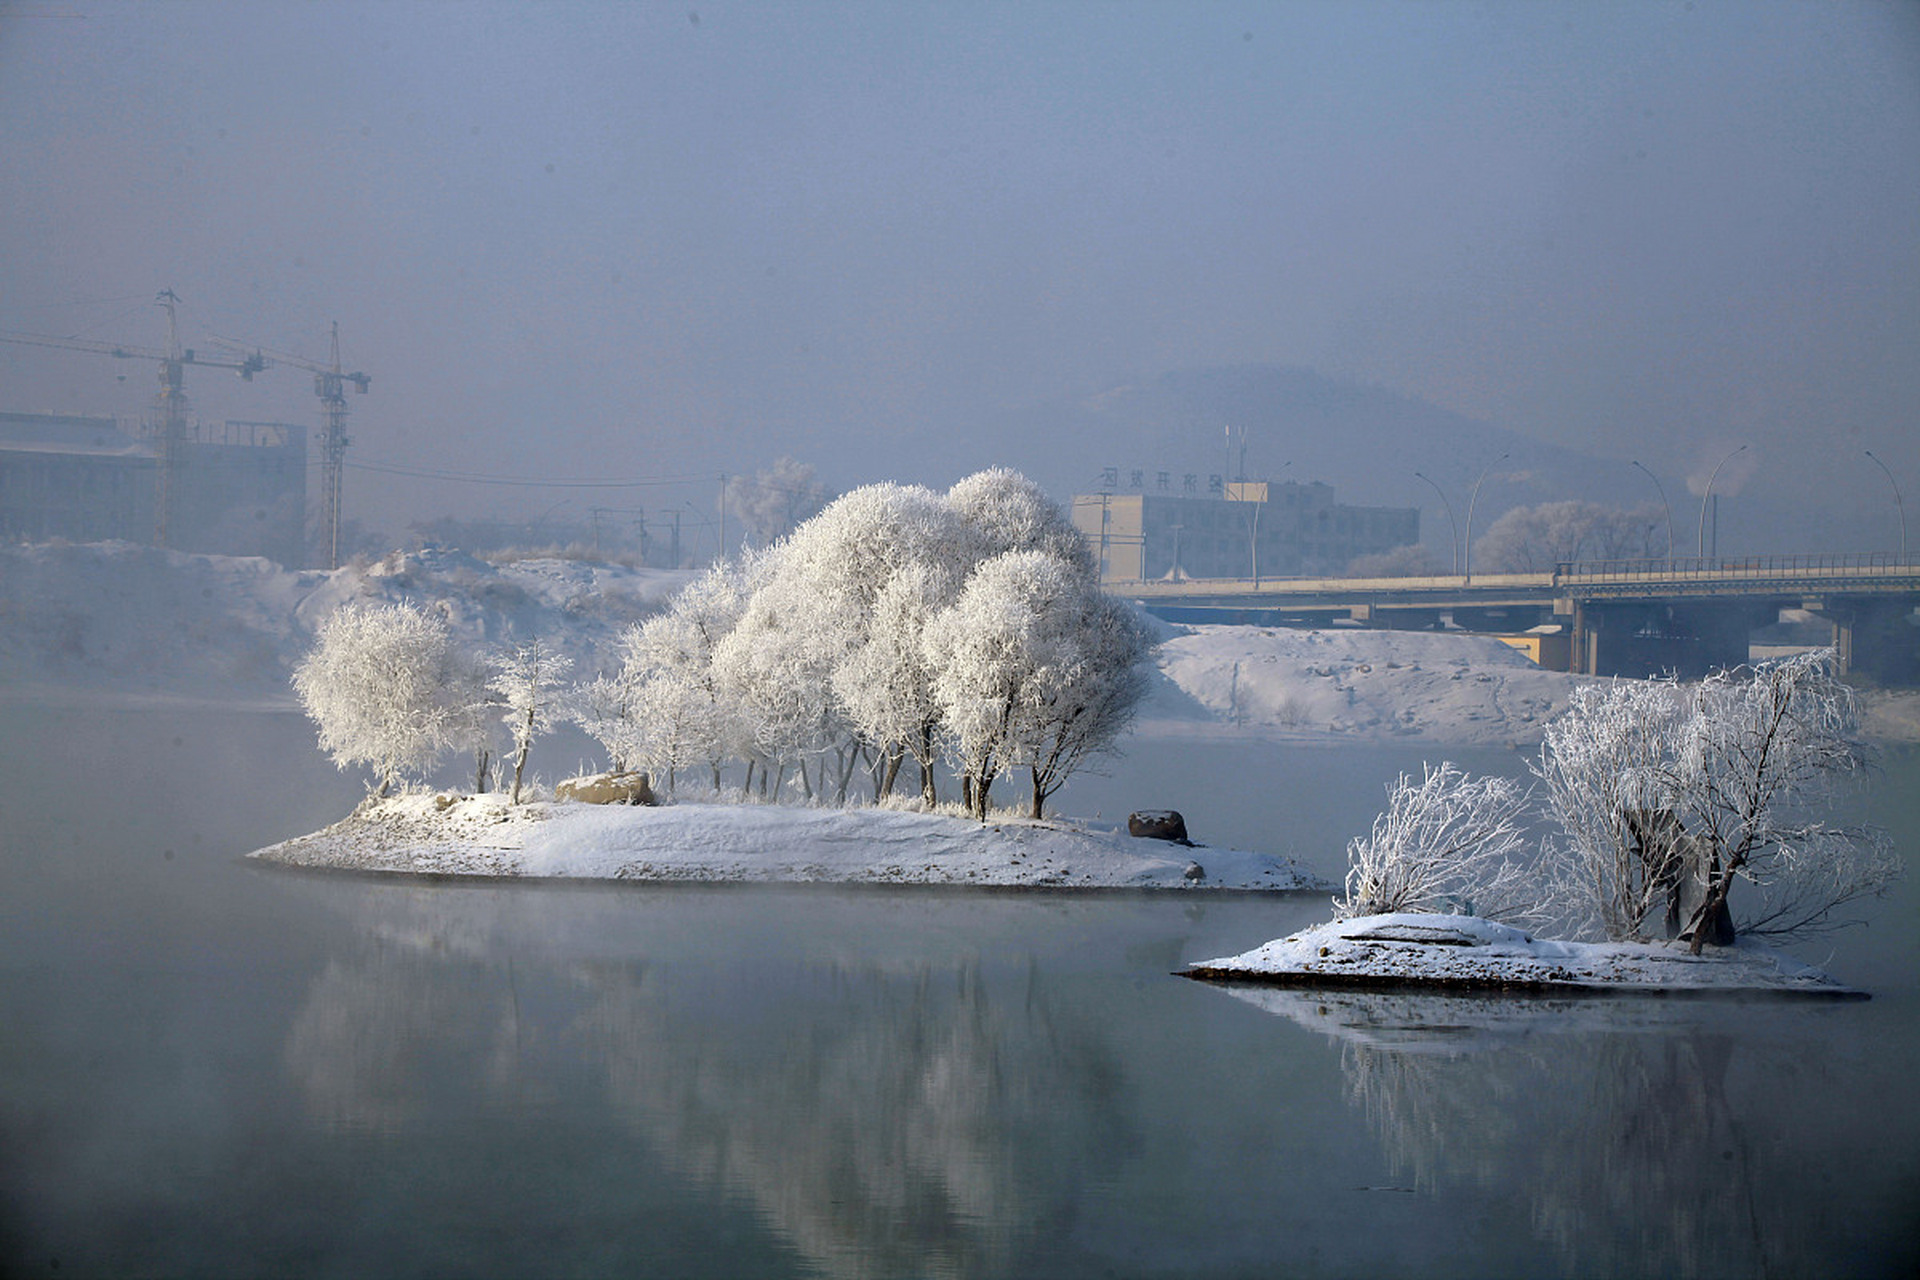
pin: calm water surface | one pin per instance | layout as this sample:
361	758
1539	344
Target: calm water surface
210	1069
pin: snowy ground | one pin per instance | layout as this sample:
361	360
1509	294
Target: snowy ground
485	836
1467	953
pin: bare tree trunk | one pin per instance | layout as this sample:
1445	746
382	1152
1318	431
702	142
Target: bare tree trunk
929	792
480	757
519	767
1039	797
1712	921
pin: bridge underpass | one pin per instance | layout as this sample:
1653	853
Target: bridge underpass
1641	617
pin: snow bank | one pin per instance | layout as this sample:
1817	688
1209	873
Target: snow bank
483	835
1416	950
141	622
1422	686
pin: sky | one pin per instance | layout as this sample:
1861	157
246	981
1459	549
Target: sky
665	242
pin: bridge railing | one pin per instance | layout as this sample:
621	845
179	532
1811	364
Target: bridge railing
1744	567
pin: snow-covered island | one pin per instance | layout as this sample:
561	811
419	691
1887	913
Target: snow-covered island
484	835
1421	950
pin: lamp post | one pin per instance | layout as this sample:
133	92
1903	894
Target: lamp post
1452	524
1898	503
1468	549
1663	503
1709	494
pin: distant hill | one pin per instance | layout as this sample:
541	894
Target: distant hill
1367	442
1299	425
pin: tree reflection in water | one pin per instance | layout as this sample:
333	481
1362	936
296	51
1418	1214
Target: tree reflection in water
1630	1126
883	1119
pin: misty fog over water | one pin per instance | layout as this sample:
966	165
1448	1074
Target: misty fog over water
213	1068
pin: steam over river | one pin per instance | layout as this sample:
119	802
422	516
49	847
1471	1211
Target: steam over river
210	1068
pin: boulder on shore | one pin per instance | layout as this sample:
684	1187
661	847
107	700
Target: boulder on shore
607	788
1158	824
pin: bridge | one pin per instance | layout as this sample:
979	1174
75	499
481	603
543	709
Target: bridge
1617	617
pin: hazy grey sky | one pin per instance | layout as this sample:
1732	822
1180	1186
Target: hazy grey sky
576	239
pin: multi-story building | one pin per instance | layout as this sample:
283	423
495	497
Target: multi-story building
1253	530
238	489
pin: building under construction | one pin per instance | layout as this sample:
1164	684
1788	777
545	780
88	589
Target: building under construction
236	489
239	488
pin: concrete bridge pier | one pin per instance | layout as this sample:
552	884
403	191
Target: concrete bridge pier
1650	638
1874	637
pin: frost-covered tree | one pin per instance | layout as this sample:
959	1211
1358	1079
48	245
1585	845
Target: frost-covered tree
607	708
775	667
771	503
1008	512
1534	539
528	680
1766	753
1609	770
886	681
1667	796
1445	843
1035	668
472	727
385	687
680	716
823	586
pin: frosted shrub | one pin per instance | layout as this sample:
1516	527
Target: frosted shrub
1445	843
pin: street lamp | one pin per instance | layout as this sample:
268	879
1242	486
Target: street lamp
1663	502
1898	504
1708	494
1468	577
1453	524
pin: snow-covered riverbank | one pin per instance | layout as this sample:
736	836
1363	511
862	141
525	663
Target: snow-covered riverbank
485	836
117	624
1464	953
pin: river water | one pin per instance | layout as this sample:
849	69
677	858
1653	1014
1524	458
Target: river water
210	1068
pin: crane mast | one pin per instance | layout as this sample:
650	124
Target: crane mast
330	385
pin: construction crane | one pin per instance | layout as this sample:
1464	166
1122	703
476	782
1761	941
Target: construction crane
171	402
330	384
